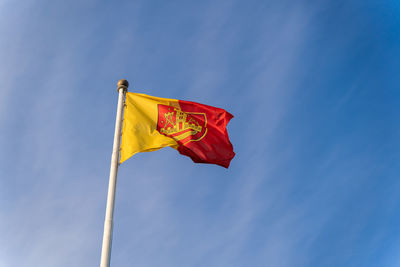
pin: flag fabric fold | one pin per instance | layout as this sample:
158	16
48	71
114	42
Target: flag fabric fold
195	130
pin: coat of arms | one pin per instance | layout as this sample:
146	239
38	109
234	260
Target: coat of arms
180	125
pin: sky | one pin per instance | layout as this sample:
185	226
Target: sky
314	88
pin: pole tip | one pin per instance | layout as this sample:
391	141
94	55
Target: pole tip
123	83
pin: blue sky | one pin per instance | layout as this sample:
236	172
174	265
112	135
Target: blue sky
315	91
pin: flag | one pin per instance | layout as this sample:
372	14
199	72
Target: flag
195	130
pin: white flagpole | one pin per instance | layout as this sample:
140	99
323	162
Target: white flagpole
108	223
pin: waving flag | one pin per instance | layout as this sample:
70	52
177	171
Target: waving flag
195	130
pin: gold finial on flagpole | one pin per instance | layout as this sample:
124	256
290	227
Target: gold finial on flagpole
123	84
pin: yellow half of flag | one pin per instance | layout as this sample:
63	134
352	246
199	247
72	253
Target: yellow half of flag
139	133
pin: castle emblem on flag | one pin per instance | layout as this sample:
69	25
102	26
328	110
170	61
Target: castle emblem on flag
180	125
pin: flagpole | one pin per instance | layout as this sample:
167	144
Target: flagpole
122	88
